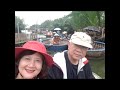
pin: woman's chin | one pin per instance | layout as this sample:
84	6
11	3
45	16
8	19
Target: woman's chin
28	77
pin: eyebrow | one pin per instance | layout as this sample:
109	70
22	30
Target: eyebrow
35	58
38	58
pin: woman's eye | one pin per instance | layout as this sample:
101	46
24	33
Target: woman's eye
38	60
27	58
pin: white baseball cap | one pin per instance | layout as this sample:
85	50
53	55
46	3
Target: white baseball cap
81	38
56	34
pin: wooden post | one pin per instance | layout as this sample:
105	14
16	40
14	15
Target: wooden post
102	31
18	32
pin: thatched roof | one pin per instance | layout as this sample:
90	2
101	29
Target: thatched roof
92	28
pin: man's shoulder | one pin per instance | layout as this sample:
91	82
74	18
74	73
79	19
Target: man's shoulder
87	66
58	57
59	54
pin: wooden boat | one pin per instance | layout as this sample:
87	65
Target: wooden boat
96	76
55	48
97	50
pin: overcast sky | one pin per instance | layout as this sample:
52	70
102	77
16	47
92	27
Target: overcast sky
38	17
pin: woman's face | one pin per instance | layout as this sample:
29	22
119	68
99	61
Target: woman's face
30	66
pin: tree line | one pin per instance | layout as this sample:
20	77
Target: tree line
76	20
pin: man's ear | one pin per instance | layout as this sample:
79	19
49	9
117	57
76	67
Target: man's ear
68	43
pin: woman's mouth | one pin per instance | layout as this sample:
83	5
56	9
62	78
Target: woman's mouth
29	71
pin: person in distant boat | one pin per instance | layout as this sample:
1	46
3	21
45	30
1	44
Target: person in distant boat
72	63
56	39
32	61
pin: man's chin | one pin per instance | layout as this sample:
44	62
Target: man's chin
78	57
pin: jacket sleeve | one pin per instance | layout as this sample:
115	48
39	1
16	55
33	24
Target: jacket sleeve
54	73
88	72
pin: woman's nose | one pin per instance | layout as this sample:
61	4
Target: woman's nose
32	63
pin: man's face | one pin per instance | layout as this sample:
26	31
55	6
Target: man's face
76	52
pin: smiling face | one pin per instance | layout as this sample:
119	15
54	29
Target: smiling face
30	66
76	52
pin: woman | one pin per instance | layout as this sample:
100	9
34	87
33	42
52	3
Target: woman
32	61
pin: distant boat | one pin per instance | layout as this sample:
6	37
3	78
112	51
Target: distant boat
97	50
55	48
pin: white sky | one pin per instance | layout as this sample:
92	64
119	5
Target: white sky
38	17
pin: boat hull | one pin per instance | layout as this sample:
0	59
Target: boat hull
56	48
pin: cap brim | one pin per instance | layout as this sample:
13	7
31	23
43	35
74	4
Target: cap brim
82	43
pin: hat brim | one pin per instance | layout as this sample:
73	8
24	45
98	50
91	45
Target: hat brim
82	43
48	58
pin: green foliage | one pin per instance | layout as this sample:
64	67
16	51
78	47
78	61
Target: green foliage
19	23
81	19
76	20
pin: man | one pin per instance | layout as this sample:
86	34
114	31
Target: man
56	39
73	64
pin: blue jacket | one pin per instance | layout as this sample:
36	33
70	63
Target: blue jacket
59	71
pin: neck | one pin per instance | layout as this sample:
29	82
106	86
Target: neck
19	76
